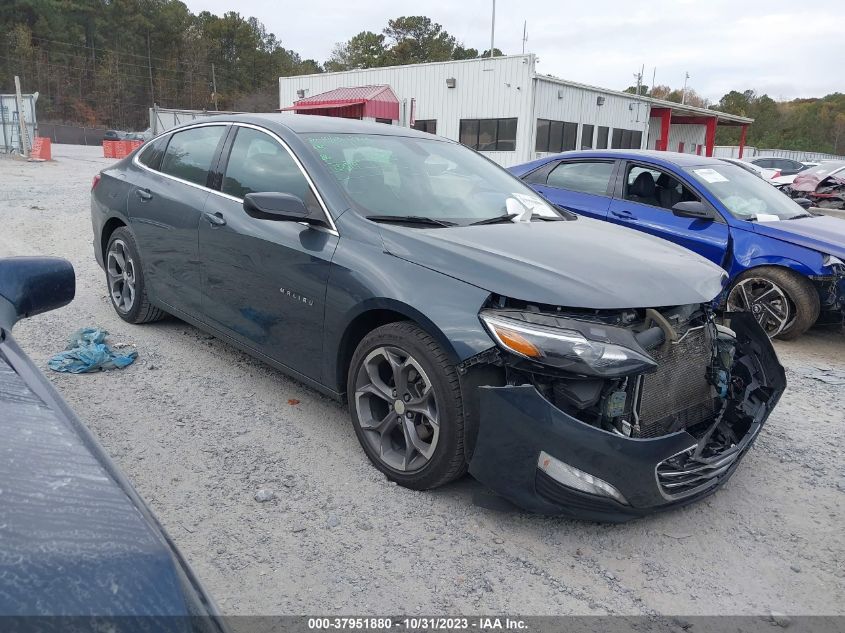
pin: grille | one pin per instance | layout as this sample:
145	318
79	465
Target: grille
678	394
682	474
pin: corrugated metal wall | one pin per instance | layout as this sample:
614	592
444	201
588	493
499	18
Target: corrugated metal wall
484	88
560	102
690	135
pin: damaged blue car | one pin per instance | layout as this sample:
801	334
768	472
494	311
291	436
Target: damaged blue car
786	263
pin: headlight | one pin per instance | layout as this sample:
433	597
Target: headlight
581	347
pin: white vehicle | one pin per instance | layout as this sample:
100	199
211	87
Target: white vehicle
764	173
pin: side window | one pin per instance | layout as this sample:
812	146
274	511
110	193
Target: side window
589	177
151	155
258	163
655	188
189	153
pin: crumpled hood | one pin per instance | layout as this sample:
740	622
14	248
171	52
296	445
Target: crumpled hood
580	264
821	233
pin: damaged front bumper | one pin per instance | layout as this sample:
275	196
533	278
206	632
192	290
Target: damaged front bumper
516	424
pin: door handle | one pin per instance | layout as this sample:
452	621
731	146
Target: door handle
215	219
624	215
144	194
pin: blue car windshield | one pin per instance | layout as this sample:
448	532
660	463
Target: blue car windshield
744	195
386	175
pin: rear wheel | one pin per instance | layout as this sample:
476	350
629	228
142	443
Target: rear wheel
405	404
784	303
125	279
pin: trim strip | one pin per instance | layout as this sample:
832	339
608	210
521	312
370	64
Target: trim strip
333	228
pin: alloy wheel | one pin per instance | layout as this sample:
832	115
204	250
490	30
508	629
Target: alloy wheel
765	301
120	270
397	409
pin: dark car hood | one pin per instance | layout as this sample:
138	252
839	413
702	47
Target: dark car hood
820	233
580	264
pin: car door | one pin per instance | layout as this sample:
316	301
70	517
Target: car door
164	208
643	200
264	280
579	185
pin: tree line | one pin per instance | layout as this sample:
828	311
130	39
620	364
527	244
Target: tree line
103	63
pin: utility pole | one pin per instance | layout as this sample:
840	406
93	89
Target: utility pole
639	77
214	86
150	68
24	132
493	29
524	35
653	77
684	93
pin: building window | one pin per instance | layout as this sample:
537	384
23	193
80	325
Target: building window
426	125
388	121
587	136
601	141
626	139
555	136
489	135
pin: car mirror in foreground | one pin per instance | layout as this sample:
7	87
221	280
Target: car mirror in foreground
278	206
693	209
32	285
804	203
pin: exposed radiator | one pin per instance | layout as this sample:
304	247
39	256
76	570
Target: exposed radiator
678	394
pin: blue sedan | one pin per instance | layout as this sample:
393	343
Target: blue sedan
785	263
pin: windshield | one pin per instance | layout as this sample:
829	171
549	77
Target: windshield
744	195
423	178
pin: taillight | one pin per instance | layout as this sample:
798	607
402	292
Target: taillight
95	182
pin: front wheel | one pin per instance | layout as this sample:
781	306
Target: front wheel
784	303
405	404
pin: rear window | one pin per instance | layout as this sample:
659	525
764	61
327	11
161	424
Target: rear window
189	153
152	153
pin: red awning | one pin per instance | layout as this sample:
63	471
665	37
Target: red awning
378	102
297	107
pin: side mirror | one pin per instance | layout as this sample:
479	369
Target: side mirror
278	206
32	285
804	203
693	209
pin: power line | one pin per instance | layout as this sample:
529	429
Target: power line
107	50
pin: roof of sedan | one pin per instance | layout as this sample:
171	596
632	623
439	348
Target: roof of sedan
314	124
675	158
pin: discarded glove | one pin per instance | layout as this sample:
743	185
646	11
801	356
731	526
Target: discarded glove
87	351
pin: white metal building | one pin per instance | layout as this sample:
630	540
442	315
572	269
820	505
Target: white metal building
503	107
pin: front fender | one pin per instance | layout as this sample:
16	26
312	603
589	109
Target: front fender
365	278
751	250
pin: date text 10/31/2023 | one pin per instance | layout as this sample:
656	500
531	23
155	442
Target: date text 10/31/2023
420	623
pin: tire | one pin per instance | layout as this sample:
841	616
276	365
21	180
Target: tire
132	306
801	297
420	361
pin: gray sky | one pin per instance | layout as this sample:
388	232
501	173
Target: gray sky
770	46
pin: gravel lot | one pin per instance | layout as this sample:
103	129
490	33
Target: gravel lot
200	427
